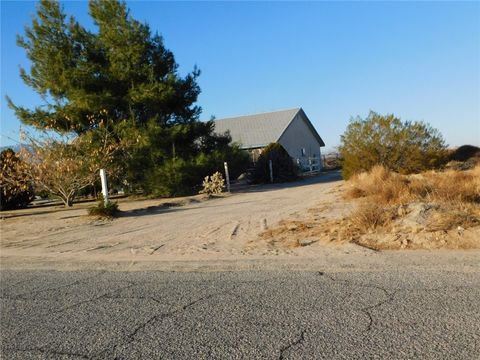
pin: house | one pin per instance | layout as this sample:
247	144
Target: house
291	128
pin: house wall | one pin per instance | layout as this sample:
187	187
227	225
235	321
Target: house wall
298	136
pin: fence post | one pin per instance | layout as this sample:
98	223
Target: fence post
227	176
103	179
271	170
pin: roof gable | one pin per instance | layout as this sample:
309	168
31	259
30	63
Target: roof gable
257	130
303	117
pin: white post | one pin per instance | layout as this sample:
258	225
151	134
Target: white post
227	176
271	170
321	159
103	178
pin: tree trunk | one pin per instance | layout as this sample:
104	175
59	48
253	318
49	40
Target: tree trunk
67	200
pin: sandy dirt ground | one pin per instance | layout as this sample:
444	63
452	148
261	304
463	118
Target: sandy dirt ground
195	233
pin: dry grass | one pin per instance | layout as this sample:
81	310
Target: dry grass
386	187
423	211
455	193
370	216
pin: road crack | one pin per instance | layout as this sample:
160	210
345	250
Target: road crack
389	294
300	339
129	338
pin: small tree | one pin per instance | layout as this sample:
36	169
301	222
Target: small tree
284	169
64	165
16	187
404	147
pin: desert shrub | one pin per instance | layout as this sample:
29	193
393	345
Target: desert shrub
404	147
101	210
213	185
16	187
284	169
464	152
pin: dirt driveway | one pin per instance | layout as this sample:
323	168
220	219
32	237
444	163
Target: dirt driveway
221	232
215	228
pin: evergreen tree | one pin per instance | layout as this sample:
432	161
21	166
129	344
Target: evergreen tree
122	69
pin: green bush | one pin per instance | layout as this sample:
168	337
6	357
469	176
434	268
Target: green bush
101	210
184	177
284	169
174	161
16	188
404	147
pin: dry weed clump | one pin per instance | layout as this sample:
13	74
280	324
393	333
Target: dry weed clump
384	186
369	216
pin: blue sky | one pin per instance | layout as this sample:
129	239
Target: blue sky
336	60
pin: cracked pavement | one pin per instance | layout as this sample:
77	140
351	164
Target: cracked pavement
240	315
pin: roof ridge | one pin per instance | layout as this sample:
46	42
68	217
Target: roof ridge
261	113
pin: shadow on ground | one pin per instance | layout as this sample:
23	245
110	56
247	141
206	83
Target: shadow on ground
324	177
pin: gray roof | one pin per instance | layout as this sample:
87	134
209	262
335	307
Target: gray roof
259	130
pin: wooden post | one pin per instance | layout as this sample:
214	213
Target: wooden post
271	170
103	178
227	176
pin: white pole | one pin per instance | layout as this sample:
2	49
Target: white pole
103	178
271	170
227	176
320	158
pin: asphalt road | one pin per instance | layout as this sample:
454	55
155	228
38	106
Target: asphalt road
233	315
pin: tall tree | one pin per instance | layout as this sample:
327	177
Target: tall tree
122	69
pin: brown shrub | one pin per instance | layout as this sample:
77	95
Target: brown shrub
368	216
384	186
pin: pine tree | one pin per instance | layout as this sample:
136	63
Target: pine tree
122	69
